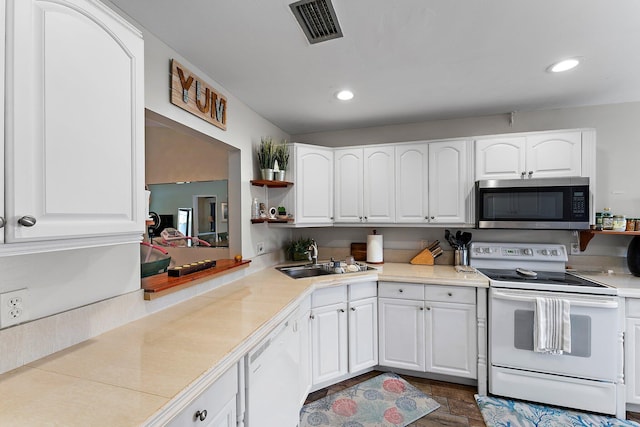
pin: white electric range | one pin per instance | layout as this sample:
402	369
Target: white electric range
590	376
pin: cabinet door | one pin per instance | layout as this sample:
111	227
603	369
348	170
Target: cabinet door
412	183
225	418
632	360
314	185
379	184
448	182
500	158
74	135
304	328
329	342
554	154
401	334
348	185
451	343
363	334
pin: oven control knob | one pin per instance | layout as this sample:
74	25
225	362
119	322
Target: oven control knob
486	250
545	252
554	252
528	251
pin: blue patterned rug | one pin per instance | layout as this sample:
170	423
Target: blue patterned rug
499	412
383	401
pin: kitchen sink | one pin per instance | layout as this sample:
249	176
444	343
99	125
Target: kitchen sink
323	269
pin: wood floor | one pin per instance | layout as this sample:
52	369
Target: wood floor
457	404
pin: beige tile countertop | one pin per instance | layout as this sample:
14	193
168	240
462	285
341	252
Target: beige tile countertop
129	374
627	284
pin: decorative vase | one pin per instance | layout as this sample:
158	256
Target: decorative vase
267	174
279	176
633	256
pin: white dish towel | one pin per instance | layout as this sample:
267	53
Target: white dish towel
552	326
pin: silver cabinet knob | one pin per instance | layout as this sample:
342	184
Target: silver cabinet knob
522	174
421	308
450	294
27	221
353	309
200	415
530	174
3	222
341	310
428	308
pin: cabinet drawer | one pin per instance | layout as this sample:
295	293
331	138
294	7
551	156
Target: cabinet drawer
457	294
213	400
633	307
328	296
401	290
363	290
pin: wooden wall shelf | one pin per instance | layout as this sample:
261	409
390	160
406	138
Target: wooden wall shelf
277	221
270	184
587	235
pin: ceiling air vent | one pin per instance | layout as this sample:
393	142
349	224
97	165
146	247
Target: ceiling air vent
318	19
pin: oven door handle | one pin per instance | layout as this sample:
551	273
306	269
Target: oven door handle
574	301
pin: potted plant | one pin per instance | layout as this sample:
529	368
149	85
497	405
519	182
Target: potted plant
282	157
266	157
298	249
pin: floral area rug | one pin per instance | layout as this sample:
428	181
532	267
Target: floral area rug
499	412
383	401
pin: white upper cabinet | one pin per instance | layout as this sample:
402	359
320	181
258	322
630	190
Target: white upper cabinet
364	186
432	182
554	154
348	185
536	155
448	182
75	123
379	188
313	184
412	183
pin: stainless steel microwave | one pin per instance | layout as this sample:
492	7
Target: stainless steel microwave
536	203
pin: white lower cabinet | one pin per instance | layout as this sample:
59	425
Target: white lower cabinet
329	343
214	407
428	328
632	350
344	337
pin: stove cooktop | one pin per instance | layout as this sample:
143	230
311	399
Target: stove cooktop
544	280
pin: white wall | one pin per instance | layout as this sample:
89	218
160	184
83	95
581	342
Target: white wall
617	172
244	131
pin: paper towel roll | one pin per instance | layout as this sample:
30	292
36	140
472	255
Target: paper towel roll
374	248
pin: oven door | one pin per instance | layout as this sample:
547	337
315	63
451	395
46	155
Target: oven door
595	330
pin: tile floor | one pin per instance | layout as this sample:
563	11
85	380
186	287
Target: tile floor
457	404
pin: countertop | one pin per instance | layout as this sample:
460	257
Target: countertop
627	284
128	375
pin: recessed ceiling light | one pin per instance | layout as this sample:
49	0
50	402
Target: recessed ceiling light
344	95
564	65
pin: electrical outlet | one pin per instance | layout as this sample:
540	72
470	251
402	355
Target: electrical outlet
13	308
260	248
575	248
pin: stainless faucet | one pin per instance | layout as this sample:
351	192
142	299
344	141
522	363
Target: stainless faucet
313	252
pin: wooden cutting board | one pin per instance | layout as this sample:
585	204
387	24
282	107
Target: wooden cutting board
359	251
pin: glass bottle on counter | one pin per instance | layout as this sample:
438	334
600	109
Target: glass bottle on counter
607	219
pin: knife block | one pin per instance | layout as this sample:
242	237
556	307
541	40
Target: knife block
423	258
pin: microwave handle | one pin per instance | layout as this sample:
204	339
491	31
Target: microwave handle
574	301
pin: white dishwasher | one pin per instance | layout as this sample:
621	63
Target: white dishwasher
272	377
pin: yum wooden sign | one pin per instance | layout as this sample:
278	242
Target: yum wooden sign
192	94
